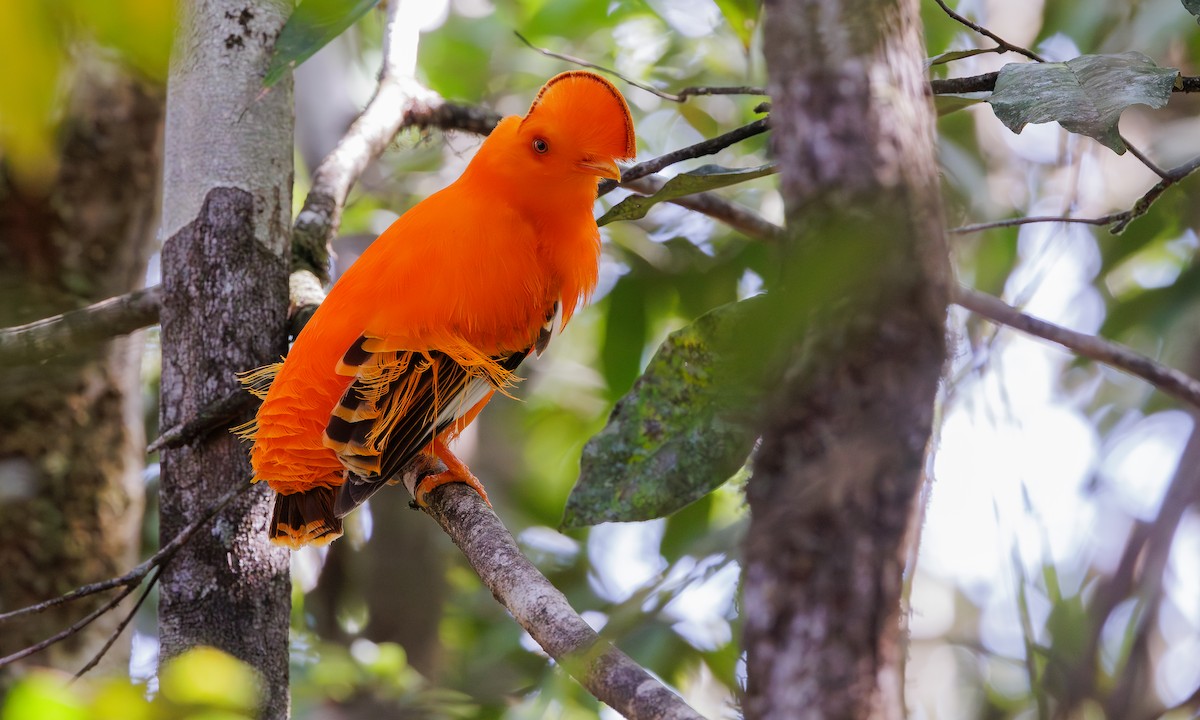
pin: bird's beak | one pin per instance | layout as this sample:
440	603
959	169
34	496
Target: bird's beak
601	167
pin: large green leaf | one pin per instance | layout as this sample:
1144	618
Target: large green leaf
1085	95
702	179
684	428
311	27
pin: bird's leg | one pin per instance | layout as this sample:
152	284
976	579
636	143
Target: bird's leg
456	471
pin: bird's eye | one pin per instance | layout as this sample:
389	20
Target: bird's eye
540	146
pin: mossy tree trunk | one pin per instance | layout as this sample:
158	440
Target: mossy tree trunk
836	478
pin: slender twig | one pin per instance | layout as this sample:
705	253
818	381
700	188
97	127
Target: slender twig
79	328
1169	380
1012	222
989	34
700	149
1143	204
680	96
1117	221
1133	150
74	628
606	672
116	633
135	576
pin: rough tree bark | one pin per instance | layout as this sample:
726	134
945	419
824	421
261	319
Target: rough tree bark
226	209
836	476
71	439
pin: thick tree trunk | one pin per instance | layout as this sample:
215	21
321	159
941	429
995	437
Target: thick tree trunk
226	210
71	438
835	479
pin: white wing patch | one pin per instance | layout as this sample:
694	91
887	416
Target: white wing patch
475	390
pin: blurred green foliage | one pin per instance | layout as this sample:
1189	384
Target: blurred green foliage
201	684
41	44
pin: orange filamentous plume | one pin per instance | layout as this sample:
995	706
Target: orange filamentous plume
437	314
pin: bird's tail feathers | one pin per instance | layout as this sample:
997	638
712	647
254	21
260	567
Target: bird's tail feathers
305	518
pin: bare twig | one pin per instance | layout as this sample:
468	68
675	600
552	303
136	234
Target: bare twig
680	96
1133	150
700	149
1117	221
606	672
1012	222
1169	380
116	633
135	576
79	328
74	628
1143	204
989	34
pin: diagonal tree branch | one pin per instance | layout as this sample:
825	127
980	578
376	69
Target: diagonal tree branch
1169	380
95	323
606	672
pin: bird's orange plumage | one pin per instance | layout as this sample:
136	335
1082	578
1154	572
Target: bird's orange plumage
416	336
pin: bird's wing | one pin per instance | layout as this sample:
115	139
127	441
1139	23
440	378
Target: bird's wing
399	401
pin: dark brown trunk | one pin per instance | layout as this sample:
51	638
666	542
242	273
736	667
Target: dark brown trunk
835	479
71	430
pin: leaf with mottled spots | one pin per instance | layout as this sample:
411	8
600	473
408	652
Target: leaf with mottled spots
684	428
1193	6
312	26
1085	95
702	179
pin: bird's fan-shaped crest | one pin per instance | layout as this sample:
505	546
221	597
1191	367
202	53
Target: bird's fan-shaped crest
580	98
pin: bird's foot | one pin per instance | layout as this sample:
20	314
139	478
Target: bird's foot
450	476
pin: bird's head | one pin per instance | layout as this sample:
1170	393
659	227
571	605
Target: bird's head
576	129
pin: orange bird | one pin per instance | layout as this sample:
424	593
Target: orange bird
437	314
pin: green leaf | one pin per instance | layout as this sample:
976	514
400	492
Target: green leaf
702	179
742	16
684	428
953	55
311	27
1193	6
43	695
207	677
1085	95
946	104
